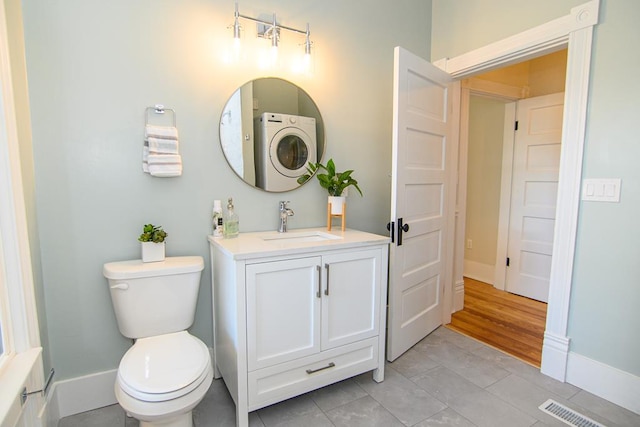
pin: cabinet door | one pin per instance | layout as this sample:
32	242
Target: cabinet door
283	311
351	297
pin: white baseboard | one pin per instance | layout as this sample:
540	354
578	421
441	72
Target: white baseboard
612	384
81	394
555	350
479	271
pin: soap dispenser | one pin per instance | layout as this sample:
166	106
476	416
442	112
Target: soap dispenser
231	222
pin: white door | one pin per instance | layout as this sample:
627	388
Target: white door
425	117
536	162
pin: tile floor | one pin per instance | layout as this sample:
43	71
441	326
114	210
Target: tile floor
446	379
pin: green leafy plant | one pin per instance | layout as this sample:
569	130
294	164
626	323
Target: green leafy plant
152	233
334	182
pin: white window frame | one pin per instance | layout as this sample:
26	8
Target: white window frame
20	321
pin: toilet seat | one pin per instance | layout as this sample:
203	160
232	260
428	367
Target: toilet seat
164	367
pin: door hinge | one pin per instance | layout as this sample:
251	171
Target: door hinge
507	261
516	126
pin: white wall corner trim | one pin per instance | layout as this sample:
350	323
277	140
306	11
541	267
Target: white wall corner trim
555	349
85	393
614	385
574	31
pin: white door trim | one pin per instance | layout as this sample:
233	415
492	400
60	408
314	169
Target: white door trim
574	31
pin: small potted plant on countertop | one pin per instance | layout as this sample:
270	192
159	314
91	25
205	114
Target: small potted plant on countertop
334	182
152	239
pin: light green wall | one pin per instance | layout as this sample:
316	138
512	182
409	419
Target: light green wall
484	167
463	25
94	67
604	318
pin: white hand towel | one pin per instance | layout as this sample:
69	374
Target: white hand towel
164	132
163	146
145	158
165	165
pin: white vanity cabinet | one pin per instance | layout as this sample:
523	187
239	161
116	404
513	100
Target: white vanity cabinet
290	317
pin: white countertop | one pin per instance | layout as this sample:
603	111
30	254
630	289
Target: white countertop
297	241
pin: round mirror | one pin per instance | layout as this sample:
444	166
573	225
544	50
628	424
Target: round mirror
269	130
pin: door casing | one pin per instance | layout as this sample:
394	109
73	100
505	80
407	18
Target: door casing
575	32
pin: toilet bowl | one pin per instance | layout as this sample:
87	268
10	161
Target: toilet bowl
167	371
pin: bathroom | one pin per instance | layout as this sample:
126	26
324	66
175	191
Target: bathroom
93	68
88	94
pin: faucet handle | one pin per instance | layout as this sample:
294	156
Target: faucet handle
283	204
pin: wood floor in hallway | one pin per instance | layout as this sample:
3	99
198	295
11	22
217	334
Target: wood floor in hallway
508	322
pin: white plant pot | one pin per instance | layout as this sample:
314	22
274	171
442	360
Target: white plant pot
152	252
337	203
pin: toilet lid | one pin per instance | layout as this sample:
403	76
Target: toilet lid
163	367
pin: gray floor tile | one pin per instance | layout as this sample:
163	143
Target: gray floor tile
476	369
486	410
413	363
365	412
216	409
528	372
464	342
108	416
525	396
446	379
606	409
337	394
283	412
444	384
447	417
403	398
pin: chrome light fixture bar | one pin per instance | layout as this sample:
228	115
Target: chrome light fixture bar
270	30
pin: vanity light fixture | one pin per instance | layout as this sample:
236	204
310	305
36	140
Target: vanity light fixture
269	30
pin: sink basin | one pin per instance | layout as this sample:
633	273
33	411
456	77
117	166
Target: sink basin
299	237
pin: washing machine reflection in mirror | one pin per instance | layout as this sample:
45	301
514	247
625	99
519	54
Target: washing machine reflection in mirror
285	143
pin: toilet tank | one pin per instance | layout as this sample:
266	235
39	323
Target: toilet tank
154	298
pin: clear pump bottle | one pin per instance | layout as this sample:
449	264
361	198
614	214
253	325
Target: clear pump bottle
231	222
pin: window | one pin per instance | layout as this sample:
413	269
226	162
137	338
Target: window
5	344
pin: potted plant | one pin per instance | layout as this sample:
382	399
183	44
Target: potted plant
334	182
152	239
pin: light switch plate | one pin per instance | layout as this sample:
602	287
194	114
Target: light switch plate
601	190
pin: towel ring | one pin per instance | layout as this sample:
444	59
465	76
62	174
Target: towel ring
159	109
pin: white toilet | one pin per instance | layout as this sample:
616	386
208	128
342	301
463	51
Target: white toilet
167	371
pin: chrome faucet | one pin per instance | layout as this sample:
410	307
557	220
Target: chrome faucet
285	213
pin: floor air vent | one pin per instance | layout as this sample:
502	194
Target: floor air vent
567	415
